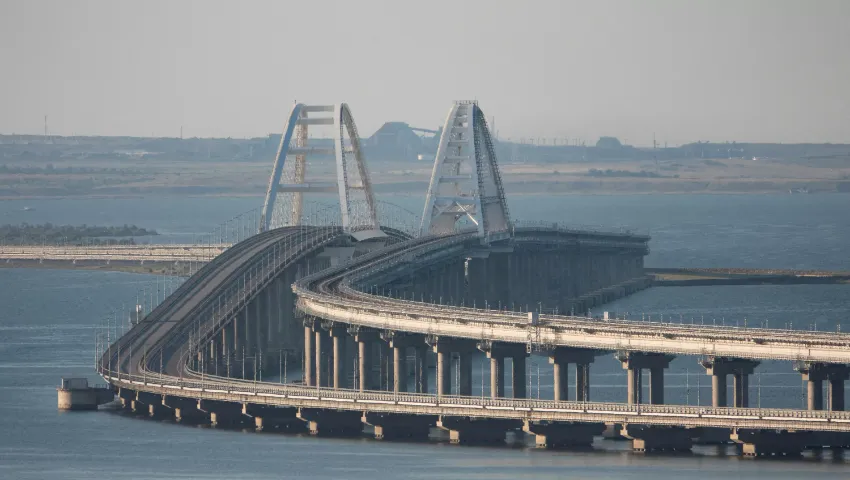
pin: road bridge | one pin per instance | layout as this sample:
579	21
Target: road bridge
366	310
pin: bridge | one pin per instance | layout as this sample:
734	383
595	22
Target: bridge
364	310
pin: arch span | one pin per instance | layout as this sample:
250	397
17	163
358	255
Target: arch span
289	180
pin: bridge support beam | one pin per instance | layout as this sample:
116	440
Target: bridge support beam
635	363
331	422
420	376
719	368
558	435
647	438
398	426
470	430
561	358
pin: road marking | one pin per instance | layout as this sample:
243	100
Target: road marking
346	400
137	383
237	392
193	389
384	402
214	391
524	409
490	407
155	385
456	405
302	397
557	410
175	387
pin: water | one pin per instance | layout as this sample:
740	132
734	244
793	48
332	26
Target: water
49	318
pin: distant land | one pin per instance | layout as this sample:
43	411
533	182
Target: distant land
400	160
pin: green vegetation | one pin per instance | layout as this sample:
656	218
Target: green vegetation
26	234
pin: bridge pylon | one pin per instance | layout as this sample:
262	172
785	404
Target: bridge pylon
465	182
288	182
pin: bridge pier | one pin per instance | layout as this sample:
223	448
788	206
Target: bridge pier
646	438
497	352
558	434
185	409
331	422
561	358
814	374
221	413
469	430
420	375
635	363
267	418
308	352
719	368
755	443
364	339
339	335
444	348
399	426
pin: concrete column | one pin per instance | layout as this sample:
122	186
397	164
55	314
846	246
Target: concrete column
562	380
465	374
718	368
308	355
497	369
740	392
399	369
363	362
421	375
656	386
582	382
718	389
518	377
444	372
320	381
633	386
815	393
836	394
340	379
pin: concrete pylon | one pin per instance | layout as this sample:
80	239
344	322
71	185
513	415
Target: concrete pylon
635	362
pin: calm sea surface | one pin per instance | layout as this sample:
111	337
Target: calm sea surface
48	320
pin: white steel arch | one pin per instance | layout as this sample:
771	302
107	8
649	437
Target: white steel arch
466	182
288	182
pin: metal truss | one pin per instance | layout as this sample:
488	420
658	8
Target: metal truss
465	184
288	183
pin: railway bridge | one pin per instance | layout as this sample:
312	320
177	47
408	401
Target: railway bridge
331	328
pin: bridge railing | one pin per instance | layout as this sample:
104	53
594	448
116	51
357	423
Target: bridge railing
238	388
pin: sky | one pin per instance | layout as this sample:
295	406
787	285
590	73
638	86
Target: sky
681	70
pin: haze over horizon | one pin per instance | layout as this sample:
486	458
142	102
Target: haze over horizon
747	71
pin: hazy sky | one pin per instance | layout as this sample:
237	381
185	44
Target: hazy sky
771	70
